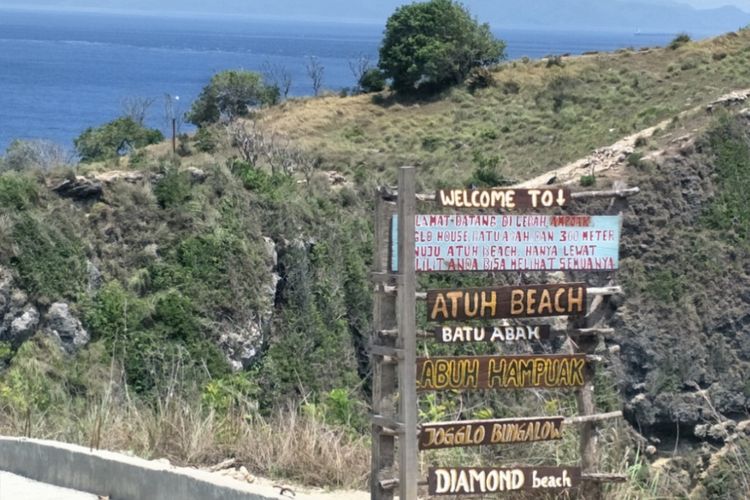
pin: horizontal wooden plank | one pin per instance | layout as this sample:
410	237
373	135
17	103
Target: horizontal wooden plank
528	301
612	193
488	480
599	417
489	432
604	477
503	198
387	423
500	372
378	350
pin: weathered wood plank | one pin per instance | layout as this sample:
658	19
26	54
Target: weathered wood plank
489	432
407	325
500	372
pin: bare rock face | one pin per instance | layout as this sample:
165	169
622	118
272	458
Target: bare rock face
18	318
6	282
66	328
80	189
242	346
94	277
19	325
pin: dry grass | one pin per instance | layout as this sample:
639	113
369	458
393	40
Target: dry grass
289	444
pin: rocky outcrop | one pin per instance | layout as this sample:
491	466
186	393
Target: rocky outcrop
79	188
65	327
243	344
18	318
24	325
683	327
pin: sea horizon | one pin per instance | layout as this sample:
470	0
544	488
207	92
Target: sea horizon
67	71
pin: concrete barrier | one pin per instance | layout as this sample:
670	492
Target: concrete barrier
119	476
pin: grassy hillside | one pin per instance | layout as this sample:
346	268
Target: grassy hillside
226	297
540	114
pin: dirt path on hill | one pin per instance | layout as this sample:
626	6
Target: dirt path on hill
605	160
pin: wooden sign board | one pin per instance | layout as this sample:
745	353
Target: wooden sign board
489	432
513	243
488	480
531	301
500	372
501	198
505	334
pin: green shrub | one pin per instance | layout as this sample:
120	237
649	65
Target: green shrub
231	392
17	191
152	338
49	261
183	145
431	143
270	186
678	41
205	140
480	78
666	286
635	159
117	137
231	94
372	80
174	188
487	172
554	61
729	211
587	180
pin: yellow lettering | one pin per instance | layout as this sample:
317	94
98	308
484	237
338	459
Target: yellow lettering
440	308
490	304
516	302
576	299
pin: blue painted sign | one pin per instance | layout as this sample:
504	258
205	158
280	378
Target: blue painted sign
513	242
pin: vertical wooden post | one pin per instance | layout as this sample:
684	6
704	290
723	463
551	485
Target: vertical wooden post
587	406
585	396
384	374
407	325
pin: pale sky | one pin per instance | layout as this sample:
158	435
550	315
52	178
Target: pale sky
230	5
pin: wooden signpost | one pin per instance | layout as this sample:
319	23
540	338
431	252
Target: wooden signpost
488	241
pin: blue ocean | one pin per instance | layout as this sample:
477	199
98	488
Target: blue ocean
63	72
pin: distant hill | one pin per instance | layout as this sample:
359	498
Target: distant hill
612	15
548	14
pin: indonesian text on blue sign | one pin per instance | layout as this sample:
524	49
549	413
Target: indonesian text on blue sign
513	242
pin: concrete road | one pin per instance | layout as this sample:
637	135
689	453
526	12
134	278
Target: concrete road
14	487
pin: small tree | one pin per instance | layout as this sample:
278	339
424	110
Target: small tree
114	138
315	71
136	108
36	153
435	44
359	67
231	94
279	76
